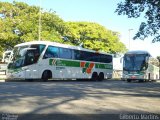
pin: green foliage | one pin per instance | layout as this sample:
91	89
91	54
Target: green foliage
151	12
20	23
24	18
95	36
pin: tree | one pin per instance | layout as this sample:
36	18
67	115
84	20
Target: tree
20	23
95	36
151	11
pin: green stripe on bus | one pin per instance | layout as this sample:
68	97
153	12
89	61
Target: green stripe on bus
68	63
84	70
57	62
87	64
103	66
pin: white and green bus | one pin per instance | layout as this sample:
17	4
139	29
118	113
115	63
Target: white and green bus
141	66
49	60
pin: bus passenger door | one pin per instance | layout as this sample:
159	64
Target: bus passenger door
31	70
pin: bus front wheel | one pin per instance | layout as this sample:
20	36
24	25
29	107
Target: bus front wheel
46	75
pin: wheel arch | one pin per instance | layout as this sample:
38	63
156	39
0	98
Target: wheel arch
49	72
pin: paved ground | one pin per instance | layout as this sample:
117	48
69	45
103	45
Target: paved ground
77	97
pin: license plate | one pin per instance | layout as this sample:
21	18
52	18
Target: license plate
133	77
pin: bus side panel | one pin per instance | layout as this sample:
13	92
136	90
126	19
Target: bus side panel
45	65
62	68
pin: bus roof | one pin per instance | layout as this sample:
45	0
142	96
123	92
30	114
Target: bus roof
138	52
58	45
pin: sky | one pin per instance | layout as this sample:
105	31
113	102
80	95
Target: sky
102	12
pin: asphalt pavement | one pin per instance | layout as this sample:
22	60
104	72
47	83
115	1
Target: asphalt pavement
80	97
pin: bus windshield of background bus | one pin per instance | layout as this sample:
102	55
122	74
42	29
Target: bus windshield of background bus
26	55
135	62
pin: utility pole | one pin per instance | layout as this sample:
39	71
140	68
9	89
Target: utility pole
39	28
129	31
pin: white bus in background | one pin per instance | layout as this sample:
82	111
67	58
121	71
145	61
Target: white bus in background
49	60
7	55
141	66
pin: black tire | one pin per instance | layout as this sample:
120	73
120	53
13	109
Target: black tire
129	80
149	76
29	80
94	76
46	75
140	81
101	76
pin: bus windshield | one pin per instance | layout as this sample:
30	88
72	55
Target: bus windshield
135	62
26	55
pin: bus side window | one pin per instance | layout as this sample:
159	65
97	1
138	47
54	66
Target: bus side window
51	52
106	58
65	53
76	55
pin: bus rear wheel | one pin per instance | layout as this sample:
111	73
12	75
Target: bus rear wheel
46	75
101	77
29	80
140	81
94	76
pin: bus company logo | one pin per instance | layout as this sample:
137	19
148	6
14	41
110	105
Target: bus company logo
87	67
54	61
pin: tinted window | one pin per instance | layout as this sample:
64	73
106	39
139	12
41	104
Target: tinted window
77	55
106	58
97	57
38	50
90	56
32	56
80	55
84	55
51	52
65	53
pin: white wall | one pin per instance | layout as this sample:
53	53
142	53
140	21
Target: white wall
118	63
